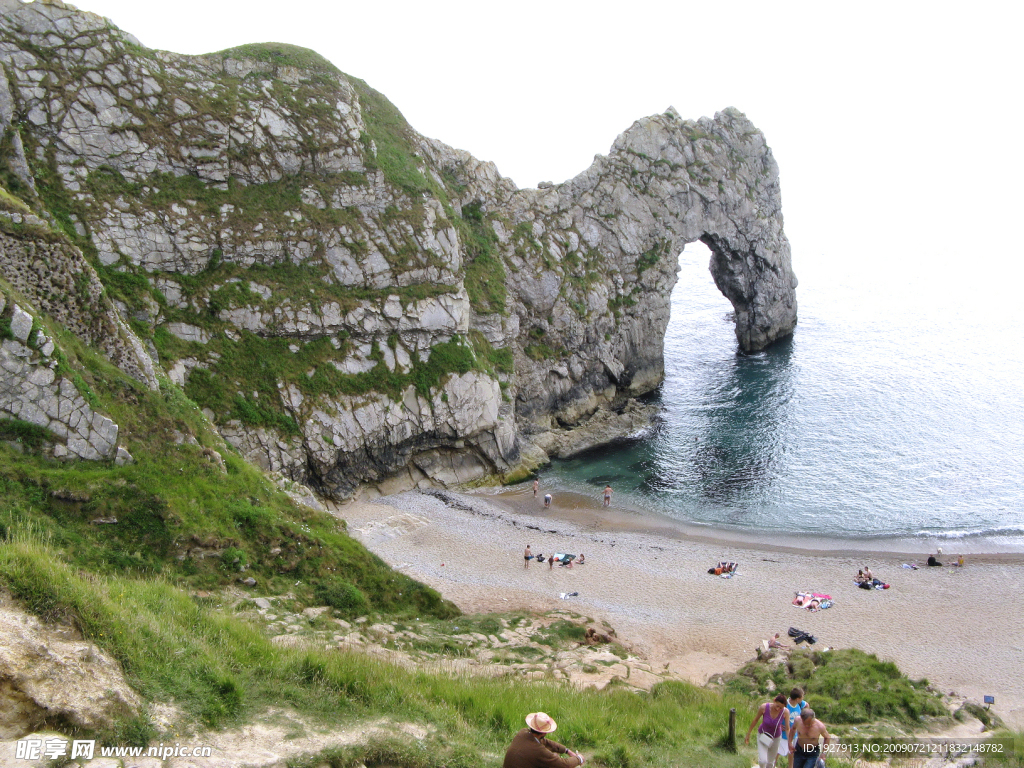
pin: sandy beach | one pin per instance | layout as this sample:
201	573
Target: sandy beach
962	628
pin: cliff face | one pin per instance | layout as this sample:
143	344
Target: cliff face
351	302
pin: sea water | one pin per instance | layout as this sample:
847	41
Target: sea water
893	414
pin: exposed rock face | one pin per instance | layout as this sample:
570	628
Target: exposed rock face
49	674
351	302
32	390
56	278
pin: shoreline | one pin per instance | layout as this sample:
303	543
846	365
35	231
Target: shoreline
959	627
586	510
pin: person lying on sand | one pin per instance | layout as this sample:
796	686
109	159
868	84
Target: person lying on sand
812	601
723	567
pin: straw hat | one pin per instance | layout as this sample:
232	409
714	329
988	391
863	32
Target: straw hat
541	722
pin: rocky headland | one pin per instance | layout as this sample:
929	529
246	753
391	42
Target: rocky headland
350	303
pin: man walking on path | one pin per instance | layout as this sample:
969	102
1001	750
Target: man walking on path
805	747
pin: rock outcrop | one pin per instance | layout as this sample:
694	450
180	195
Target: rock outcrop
35	391
349	301
50	676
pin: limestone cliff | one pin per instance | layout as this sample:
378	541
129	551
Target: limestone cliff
349	301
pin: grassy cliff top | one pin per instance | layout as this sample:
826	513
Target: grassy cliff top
282	55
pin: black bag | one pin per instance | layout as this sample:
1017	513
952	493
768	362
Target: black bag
799	636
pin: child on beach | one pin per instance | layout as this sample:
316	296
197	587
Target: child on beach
547	500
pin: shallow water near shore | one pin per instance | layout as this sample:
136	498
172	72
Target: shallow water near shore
891	421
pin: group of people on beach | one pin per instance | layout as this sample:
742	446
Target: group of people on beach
563	559
788	727
607	493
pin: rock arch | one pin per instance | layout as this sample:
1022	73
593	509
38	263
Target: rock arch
666	182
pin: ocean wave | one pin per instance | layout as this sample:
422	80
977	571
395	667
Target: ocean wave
1004	530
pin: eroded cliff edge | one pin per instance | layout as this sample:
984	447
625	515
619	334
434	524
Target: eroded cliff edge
349	301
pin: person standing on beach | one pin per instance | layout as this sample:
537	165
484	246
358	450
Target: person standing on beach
527	556
532	749
774	724
607	495
547	500
804	742
536	485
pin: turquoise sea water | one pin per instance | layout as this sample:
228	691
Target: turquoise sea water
893	413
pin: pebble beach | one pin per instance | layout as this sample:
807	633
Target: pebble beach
961	628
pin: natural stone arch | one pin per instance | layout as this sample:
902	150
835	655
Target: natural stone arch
666	182
582	271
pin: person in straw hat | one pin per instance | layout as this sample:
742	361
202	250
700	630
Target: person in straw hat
532	749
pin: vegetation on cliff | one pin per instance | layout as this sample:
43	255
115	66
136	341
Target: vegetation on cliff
188	510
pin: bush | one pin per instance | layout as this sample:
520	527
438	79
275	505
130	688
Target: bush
845	687
347	599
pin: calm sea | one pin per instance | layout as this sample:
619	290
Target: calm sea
894	414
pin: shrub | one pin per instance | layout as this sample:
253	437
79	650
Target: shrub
347	599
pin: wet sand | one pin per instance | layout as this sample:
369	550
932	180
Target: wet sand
963	629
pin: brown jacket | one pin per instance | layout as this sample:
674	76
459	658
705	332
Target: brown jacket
530	751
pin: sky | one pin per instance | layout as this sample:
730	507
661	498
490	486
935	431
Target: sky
894	123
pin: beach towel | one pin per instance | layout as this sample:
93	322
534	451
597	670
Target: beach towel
567	595
910	566
803	600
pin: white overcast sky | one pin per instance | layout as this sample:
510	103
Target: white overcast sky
895	124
